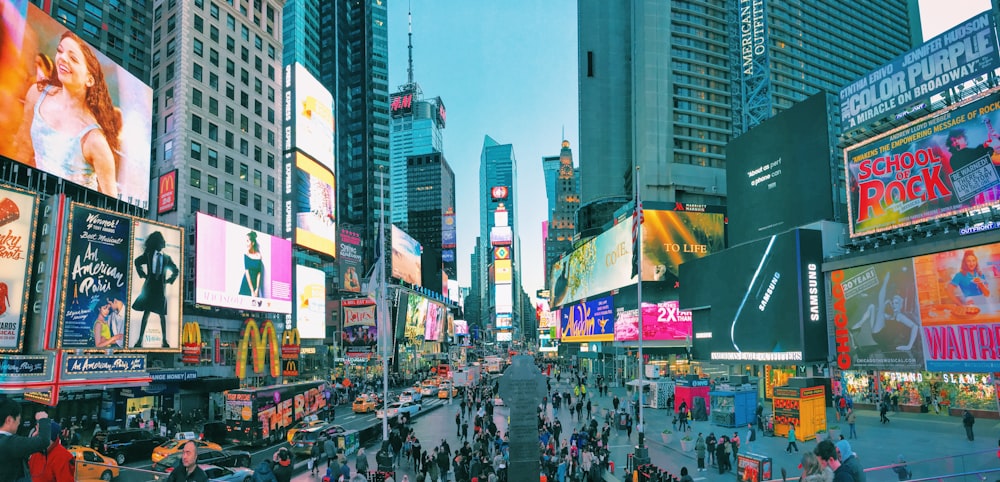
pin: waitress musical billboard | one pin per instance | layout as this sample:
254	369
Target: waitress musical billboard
155	296
96	286
242	268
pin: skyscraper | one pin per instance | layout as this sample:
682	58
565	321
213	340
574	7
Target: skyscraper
415	128
690	85
498	193
431	191
564	198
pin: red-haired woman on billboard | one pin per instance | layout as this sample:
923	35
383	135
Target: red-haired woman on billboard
70	127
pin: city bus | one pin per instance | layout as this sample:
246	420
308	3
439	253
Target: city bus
262	416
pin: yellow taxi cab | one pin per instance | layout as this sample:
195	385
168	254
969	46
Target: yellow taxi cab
92	465
308	422
444	388
363	404
170	446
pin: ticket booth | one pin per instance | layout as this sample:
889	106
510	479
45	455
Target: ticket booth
804	407
690	390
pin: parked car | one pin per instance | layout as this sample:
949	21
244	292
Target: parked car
395	408
222	458
92	465
226	474
130	444
304	439
170	446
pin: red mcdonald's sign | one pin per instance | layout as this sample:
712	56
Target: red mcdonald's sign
166	199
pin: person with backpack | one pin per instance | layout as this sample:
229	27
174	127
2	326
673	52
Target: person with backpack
282	465
263	472
55	464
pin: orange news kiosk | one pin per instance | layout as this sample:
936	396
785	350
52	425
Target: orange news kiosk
803	406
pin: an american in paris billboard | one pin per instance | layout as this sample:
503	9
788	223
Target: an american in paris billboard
907	82
103	144
937	312
933	168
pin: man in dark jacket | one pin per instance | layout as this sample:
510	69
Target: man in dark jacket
283	465
383	458
188	468
15	449
850	460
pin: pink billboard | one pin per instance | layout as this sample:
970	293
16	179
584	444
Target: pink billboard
241	268
660	321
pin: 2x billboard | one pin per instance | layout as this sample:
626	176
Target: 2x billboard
936	167
103	144
242	268
937	312
779	173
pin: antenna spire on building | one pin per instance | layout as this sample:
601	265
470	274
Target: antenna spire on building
409	47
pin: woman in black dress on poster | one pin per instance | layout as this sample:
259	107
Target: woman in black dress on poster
253	268
158	270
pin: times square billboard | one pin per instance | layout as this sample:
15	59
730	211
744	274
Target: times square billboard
936	167
936	312
669	237
907	83
779	173
759	301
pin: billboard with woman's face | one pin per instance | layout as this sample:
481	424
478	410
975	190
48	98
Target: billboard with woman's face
68	110
241	268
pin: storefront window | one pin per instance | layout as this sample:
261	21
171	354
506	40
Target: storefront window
962	391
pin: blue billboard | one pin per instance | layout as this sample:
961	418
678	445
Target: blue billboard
588	321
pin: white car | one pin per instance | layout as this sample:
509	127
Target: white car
395	408
410	395
429	390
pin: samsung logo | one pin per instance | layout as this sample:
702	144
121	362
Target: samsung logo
813	289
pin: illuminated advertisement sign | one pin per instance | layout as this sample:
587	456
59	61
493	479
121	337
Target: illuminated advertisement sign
155	303
772	307
448	232
241	268
406	253
501	236
401	104
416	309
588	321
360	329
505	336
752	57
166	196
349	253
315	206
934	168
107	145
499	193
310	302
18	217
504	321
604	263
908	81
96	286
778	168
935	312
502	271
660	321
309	123
434	321
503	298
261	344
461	327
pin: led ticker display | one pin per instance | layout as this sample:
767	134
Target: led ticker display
934	168
588	321
104	144
242	268
406	253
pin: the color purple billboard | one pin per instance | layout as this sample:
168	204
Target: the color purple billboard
70	111
933	168
242	268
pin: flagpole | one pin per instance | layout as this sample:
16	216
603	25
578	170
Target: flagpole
638	291
380	307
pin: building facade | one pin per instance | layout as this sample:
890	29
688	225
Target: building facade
564	199
431	192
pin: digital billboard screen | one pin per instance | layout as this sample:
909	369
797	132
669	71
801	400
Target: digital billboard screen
779	174
763	300
315	206
416	311
669	238
309	120
663	321
587	321
310	302
241	268
18	218
349	253
936	312
406	253
155	302
907	82
936	167
435	319
70	111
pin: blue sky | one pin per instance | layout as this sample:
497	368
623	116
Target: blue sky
508	69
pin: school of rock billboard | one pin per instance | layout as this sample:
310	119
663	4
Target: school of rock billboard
934	168
937	312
